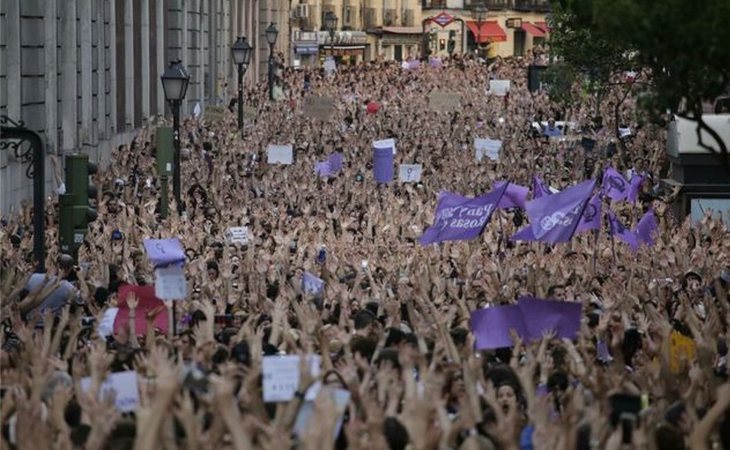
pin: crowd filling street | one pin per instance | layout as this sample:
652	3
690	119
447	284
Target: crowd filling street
524	284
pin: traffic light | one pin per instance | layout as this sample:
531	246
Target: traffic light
76	212
452	41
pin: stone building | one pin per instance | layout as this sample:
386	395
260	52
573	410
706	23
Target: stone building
85	74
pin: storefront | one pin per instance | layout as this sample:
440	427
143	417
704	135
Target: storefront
348	48
400	43
305	47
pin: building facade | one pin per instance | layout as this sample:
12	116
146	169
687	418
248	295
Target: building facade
85	74
504	28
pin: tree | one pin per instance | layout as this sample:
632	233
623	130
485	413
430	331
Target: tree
682	45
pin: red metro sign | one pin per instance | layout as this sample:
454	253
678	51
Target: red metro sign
443	19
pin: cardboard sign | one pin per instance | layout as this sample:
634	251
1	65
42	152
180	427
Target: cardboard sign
170	283
443	101
124	384
280	154
215	113
163	252
311	284
410	173
281	376
197	110
239	235
499	87
487	147
330	66
319	107
147	302
340	397
681	349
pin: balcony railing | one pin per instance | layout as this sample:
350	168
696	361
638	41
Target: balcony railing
409	19
532	5
492	5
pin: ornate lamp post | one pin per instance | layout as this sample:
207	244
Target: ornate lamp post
241	51
271	34
330	23
175	84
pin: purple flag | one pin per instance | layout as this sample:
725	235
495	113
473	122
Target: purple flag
383	164
311	284
415	64
591	218
554	218
524	234
530	318
163	252
635	187
435	62
514	197
323	168
460	218
335	160
538	188
614	185
646	227
618	229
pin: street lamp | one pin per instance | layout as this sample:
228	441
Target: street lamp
481	14
175	84
271	34
241	51
330	23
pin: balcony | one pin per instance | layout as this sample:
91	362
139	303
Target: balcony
409	18
433	4
370	19
390	18
491	5
532	5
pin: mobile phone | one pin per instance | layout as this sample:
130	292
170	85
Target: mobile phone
628	423
364	263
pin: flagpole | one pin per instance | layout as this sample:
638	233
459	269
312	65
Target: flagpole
613	247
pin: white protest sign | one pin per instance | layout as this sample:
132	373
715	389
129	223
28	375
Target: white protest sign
106	324
170	283
319	107
443	101
410	173
340	397
487	147
239	235
281	376
499	87
124	384
330	66
624	132
197	110
280	154
385	143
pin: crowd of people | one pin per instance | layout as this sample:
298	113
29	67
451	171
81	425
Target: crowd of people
391	327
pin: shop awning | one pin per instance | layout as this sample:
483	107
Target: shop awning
532	29
543	26
489	32
403	30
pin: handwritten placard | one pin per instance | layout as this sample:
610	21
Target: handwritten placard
123	384
280	154
170	283
281	376
499	88
487	147
319	107
443	101
239	235
410	173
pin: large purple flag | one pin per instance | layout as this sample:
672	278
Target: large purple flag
591	218
163	252
335	160
514	197
554	218
634	188
618	229
646	227
614	185
524	234
323	169
383	164
539	189
530	319
460	218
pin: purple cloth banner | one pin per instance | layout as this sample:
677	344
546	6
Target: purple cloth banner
634	188
335	160
539	189
311	284
618	229
461	218
530	318
323	169
415	64
554	218
514	197
591	218
435	62
163	252
383	164
646	228
614	185
524	234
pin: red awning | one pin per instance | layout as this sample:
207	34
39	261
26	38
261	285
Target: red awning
489	32
532	29
543	26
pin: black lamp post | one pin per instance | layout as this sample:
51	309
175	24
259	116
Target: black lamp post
271	34
330	23
481	14
241	51
175	84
